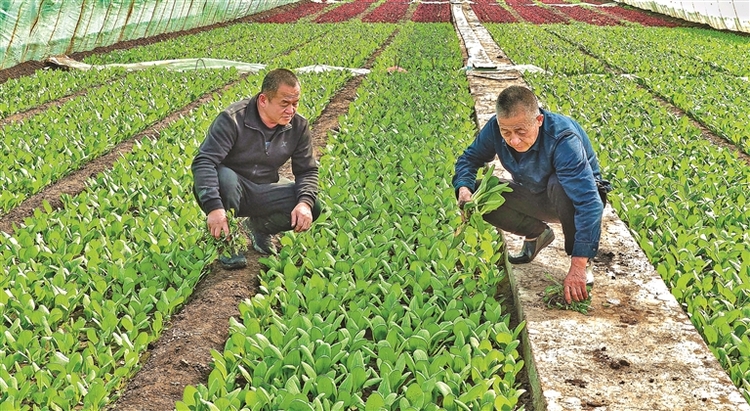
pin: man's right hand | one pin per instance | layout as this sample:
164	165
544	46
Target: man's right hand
464	196
217	223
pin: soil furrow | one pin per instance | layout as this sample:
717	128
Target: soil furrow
706	132
75	182
182	356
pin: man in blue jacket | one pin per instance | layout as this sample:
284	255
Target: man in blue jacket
237	166
555	178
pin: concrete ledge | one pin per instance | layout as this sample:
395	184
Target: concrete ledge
636	349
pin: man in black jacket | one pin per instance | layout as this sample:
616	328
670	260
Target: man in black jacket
237	166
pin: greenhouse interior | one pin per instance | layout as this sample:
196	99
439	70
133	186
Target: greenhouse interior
337	205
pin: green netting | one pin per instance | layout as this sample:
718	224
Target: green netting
36	29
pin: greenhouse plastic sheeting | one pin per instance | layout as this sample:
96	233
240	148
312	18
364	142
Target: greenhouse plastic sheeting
731	15
175	65
35	29
196	64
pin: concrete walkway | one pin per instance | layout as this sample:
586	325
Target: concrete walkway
636	349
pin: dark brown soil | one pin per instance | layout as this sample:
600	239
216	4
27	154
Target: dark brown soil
182	356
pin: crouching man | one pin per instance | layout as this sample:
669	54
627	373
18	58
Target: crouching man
555	178
237	166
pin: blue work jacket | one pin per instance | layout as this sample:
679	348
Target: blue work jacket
562	148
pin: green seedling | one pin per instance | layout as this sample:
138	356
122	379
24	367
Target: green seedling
235	243
487	197
554	297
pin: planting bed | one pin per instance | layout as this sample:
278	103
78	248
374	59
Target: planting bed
112	299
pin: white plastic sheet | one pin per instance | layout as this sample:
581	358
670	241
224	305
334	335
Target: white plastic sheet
196	64
176	64
731	15
37	29
319	68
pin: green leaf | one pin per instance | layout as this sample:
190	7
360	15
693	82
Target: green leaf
190	395
375	402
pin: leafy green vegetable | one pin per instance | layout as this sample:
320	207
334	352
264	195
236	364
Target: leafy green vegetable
235	243
488	196
554	297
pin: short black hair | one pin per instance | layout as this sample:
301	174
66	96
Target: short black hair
515	98
275	78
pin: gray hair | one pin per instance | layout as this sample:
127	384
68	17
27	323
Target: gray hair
514	99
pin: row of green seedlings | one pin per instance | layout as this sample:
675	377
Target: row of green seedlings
232	42
676	64
24	93
683	72
89	287
720	102
93	123
337	47
27	92
50	144
690	220
378	307
647	50
239	42
545	54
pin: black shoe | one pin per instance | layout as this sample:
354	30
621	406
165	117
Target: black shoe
532	247
262	243
233	262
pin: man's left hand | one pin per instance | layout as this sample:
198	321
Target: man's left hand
574	284
301	217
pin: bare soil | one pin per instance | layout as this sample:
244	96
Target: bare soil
182	355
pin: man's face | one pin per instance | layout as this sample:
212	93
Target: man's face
280	107
521	130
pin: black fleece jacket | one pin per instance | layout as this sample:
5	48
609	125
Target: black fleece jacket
236	140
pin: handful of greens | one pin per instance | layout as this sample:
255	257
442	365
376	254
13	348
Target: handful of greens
487	197
554	298
233	244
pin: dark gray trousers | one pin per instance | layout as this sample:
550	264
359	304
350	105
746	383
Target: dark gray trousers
526	214
269	206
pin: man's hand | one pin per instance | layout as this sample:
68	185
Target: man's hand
464	196
301	217
574	284
217	223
